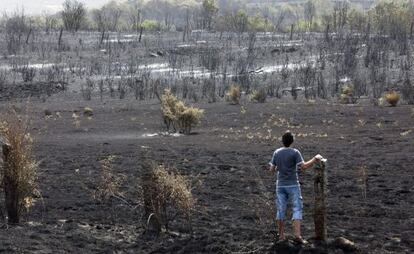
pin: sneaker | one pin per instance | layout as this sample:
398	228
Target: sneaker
300	240
282	241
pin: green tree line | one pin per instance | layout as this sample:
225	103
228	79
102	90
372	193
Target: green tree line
385	17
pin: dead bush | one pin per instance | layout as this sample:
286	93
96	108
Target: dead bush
234	94
88	89
110	83
177	116
19	169
28	74
347	95
137	86
109	182
209	90
162	190
210	59
392	98
170	106
56	74
189	117
15	28
258	96
122	89
262	208
3	80
264	211
408	90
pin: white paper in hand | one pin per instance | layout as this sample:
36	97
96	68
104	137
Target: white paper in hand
319	157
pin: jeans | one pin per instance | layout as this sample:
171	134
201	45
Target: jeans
283	196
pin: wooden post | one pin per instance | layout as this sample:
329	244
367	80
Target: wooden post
319	213
10	188
2	168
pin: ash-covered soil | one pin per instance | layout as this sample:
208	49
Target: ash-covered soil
368	148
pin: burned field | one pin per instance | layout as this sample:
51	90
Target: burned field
369	179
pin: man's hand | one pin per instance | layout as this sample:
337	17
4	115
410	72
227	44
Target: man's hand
270	168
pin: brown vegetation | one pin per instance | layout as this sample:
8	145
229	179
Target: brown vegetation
177	116
163	188
234	94
392	98
19	169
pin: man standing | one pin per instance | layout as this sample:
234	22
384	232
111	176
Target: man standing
287	161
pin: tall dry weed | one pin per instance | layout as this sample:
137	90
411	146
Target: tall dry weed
110	183
363	180
19	172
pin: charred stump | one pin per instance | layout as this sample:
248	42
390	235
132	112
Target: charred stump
10	188
319	216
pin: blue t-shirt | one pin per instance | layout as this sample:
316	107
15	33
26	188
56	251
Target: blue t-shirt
287	160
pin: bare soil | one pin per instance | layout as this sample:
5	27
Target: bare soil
226	155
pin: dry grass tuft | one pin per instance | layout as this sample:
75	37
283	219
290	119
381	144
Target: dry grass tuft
177	116
234	95
163	188
363	181
258	96
88	112
380	102
362	122
392	98
19	172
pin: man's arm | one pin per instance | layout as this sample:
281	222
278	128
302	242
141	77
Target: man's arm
310	162
307	164
272	163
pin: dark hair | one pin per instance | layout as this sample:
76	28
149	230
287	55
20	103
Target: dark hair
287	139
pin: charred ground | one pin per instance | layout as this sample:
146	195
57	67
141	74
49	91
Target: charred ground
225	159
